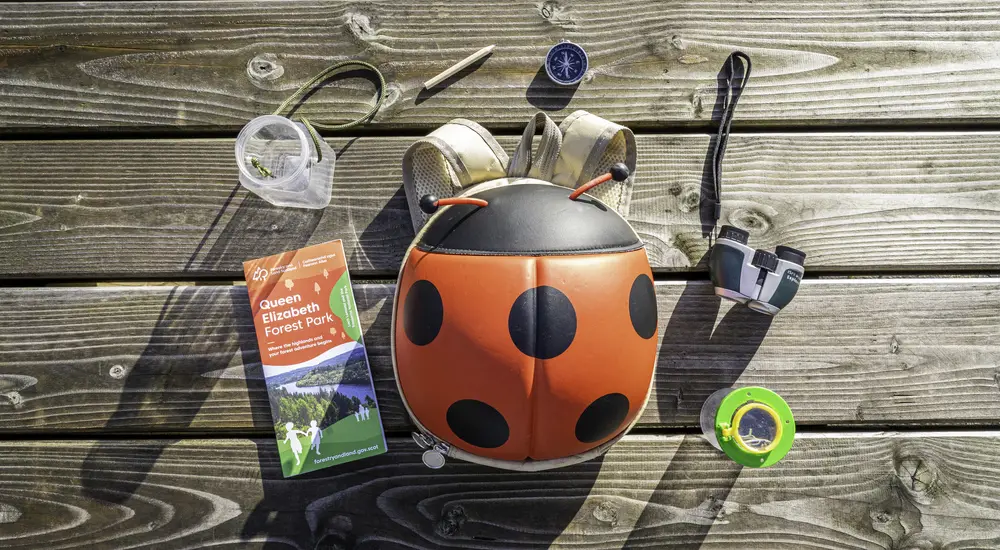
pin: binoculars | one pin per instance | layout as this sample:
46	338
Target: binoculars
764	281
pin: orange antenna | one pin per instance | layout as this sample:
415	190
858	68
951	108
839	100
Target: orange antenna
619	172
430	203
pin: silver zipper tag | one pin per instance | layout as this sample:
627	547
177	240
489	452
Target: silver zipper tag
422	440
433	459
436	451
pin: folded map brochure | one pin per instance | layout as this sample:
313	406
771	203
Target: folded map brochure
318	379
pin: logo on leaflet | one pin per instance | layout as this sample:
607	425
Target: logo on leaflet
259	274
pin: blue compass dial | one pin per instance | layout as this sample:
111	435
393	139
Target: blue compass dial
566	63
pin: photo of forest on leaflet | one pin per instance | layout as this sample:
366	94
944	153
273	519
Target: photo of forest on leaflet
355	371
324	413
326	407
326	393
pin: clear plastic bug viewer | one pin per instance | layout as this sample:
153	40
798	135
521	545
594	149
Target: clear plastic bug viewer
753	426
278	161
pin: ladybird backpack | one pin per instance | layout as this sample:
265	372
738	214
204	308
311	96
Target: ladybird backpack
524	326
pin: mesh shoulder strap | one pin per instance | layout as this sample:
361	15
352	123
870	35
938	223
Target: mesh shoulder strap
461	154
455	156
590	146
539	164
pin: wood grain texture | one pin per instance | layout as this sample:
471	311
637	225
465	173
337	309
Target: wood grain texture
833	491
185	360
174	209
206	65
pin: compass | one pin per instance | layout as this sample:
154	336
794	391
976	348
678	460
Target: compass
566	63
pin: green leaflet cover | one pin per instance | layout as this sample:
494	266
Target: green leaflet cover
316	368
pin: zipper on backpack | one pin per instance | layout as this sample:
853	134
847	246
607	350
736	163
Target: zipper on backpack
435	449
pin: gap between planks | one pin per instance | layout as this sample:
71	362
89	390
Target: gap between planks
660	277
943	127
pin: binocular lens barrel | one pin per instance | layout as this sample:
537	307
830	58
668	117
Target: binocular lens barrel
734	234
790	254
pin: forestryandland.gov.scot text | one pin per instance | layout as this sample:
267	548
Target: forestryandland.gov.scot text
346	453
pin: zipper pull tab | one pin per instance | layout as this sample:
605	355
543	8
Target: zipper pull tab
422	441
436	451
433	458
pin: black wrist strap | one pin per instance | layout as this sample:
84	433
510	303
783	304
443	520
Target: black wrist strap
728	109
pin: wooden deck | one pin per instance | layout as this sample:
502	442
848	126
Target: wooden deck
132	407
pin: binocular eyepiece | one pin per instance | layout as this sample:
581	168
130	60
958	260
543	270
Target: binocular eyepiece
765	281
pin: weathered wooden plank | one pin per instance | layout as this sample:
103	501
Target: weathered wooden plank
202	64
856	491
168	208
184	359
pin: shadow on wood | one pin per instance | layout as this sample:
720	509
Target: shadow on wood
394	216
271	229
834	490
688	336
371	510
689	339
706	504
185	340
547	95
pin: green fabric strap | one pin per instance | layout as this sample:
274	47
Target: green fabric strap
321	76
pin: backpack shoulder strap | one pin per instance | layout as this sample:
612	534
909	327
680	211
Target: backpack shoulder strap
539	164
455	156
590	146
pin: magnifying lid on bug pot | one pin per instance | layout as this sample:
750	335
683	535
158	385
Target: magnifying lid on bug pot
752	425
285	161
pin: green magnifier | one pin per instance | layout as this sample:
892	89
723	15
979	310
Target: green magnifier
752	425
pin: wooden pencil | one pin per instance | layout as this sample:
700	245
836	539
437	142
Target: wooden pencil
454	69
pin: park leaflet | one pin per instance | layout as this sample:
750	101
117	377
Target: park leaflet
316	369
